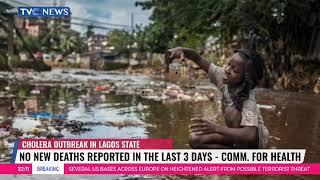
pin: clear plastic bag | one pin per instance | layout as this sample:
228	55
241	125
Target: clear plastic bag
177	70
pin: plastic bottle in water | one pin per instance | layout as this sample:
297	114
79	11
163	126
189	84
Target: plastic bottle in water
176	70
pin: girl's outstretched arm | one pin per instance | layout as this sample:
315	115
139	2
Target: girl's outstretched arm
187	53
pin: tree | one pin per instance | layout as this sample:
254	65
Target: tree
51	40
60	39
285	28
32	42
70	42
6	26
183	29
121	40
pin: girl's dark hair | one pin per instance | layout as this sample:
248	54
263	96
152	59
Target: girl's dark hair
253	73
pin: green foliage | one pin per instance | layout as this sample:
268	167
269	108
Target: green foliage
37	65
140	38
51	40
61	40
114	66
285	29
71	42
192	21
121	41
175	23
64	42
158	37
3	63
33	43
4	7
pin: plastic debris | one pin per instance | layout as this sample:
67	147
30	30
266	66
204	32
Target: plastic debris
140	107
184	97
199	97
35	91
276	138
146	92
279	113
62	103
267	107
100	88
47	115
4	134
126	123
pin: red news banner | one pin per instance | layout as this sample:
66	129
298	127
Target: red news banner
85	144
147	156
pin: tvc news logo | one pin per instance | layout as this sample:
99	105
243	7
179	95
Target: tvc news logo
44	11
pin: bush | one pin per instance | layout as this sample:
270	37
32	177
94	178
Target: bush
114	66
3	63
35	65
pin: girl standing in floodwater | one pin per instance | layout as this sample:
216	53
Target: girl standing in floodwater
245	126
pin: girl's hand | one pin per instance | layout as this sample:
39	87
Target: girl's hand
175	53
202	126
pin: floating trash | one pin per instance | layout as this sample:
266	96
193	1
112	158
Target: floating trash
127	123
4	134
37	132
28	136
279	113
146	92
4	131
101	88
76	127
155	98
47	115
103	98
31	104
53	133
4	127
268	107
35	91
198	97
184	97
62	103
171	93
141	107
276	138
17	132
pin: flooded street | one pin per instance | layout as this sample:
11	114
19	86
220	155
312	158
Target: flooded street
110	105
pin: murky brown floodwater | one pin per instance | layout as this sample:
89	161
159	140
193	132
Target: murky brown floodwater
295	123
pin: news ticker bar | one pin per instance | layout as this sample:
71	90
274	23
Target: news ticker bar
167	169
148	156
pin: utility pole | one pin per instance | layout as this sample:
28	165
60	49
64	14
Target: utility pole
132	22
10	34
10	39
131	39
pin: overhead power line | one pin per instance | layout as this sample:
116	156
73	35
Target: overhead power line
94	23
97	26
